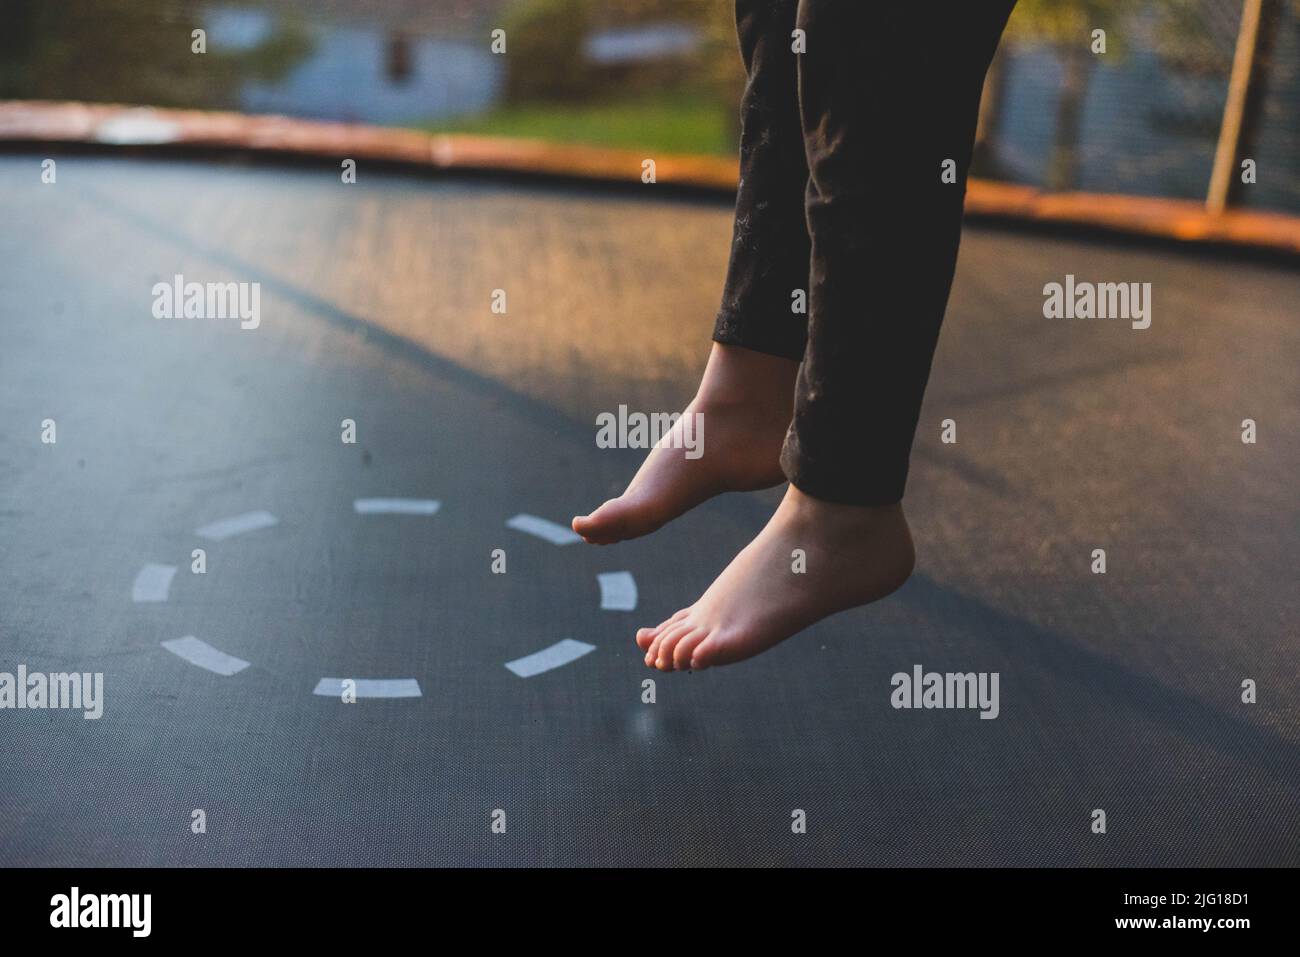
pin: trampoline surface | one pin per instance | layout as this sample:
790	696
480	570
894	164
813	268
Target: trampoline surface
1119	691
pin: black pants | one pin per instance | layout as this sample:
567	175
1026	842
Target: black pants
853	161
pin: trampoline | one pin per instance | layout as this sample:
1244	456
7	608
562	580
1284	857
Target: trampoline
503	715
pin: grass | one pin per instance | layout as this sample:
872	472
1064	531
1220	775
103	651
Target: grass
670	123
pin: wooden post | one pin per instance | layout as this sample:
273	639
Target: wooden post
1243	67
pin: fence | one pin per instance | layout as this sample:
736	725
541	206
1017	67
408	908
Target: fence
1190	99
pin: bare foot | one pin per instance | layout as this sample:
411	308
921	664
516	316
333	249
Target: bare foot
746	399
854	555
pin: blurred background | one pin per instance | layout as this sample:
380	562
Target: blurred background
1143	119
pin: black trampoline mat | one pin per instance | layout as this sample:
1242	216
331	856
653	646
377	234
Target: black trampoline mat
1119	692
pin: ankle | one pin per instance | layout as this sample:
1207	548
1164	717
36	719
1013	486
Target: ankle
850	521
738	377
858	514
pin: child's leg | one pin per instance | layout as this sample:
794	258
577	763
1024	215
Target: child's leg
770	247
889	93
746	394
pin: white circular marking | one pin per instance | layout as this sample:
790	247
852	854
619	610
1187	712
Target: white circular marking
236	525
369	687
396	506
557	655
541	528
617	591
152	583
199	652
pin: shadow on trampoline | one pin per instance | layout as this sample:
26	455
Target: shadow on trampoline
1090	683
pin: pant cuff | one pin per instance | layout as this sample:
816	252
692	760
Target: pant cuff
842	479
782	336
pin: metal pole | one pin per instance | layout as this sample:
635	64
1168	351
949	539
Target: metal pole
1243	65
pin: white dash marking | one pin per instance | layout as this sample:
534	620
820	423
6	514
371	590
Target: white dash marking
237	525
556	656
198	652
617	591
540	527
370	687
396	506
152	582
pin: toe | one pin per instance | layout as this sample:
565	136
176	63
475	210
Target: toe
646	635
705	653
654	657
668	647
607	524
684	651
652	653
677	616
599	523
